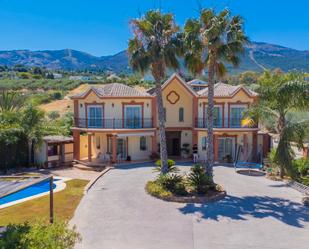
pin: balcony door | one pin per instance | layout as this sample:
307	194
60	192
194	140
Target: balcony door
236	116
217	116
133	116
95	116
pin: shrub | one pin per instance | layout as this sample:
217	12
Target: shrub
305	180
301	166
170	164
153	188
53	115
39	235
198	180
173	183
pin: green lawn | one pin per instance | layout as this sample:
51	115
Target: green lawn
65	203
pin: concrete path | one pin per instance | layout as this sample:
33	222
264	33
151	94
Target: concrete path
257	213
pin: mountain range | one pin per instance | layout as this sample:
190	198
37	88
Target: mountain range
257	57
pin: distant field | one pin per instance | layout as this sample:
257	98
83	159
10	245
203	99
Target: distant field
46	84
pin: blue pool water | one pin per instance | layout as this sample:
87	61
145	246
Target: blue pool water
35	189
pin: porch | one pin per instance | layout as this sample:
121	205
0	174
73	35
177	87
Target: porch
104	148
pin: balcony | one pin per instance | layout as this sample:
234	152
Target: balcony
228	123
113	123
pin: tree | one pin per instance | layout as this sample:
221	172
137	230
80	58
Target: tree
155	48
10	101
209	42
280	95
32	125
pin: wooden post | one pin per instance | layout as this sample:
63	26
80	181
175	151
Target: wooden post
51	200
89	148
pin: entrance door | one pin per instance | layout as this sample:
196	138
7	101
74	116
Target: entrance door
122	148
173	141
226	148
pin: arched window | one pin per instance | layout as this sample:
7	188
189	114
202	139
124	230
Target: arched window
143	143
181	114
204	139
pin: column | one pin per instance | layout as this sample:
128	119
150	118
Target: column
114	146
76	145
89	147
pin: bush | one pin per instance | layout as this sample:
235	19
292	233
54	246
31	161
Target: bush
39	235
170	164
198	179
53	115
305	180
173	183
301	166
153	188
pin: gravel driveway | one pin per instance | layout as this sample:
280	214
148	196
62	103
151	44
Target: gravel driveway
257	213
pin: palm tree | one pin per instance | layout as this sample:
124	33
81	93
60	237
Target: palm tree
209	42
280	95
155	47
32	124
10	101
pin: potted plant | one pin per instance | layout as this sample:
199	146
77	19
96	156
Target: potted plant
185	150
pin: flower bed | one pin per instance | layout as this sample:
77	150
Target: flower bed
195	187
157	191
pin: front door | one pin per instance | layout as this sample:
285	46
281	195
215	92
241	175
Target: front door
226	149
122	148
173	141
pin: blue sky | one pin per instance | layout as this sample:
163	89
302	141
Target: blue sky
101	27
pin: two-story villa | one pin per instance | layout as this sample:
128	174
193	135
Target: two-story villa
121	121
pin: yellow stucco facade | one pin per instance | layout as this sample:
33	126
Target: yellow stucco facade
185	124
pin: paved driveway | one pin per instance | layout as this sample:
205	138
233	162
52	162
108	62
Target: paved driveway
257	213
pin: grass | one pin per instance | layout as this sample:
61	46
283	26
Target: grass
65	203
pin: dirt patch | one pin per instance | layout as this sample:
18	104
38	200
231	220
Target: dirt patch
62	106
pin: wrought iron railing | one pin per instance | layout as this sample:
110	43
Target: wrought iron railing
226	123
113	123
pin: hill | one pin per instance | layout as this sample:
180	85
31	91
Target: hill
257	57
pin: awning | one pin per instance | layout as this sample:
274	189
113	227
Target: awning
140	134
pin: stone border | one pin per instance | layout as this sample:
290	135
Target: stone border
192	199
93	181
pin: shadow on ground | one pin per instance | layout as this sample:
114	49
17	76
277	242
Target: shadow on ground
236	208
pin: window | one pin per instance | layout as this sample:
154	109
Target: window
143	143
133	116
217	116
181	114
204	143
52	150
236	116
95	116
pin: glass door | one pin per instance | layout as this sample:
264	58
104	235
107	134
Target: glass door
226	148
217	116
95	116
122	148
236	116
133	117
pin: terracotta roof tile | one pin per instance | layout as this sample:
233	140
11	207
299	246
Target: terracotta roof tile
115	90
225	90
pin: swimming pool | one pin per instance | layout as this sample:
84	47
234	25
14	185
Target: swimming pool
31	192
